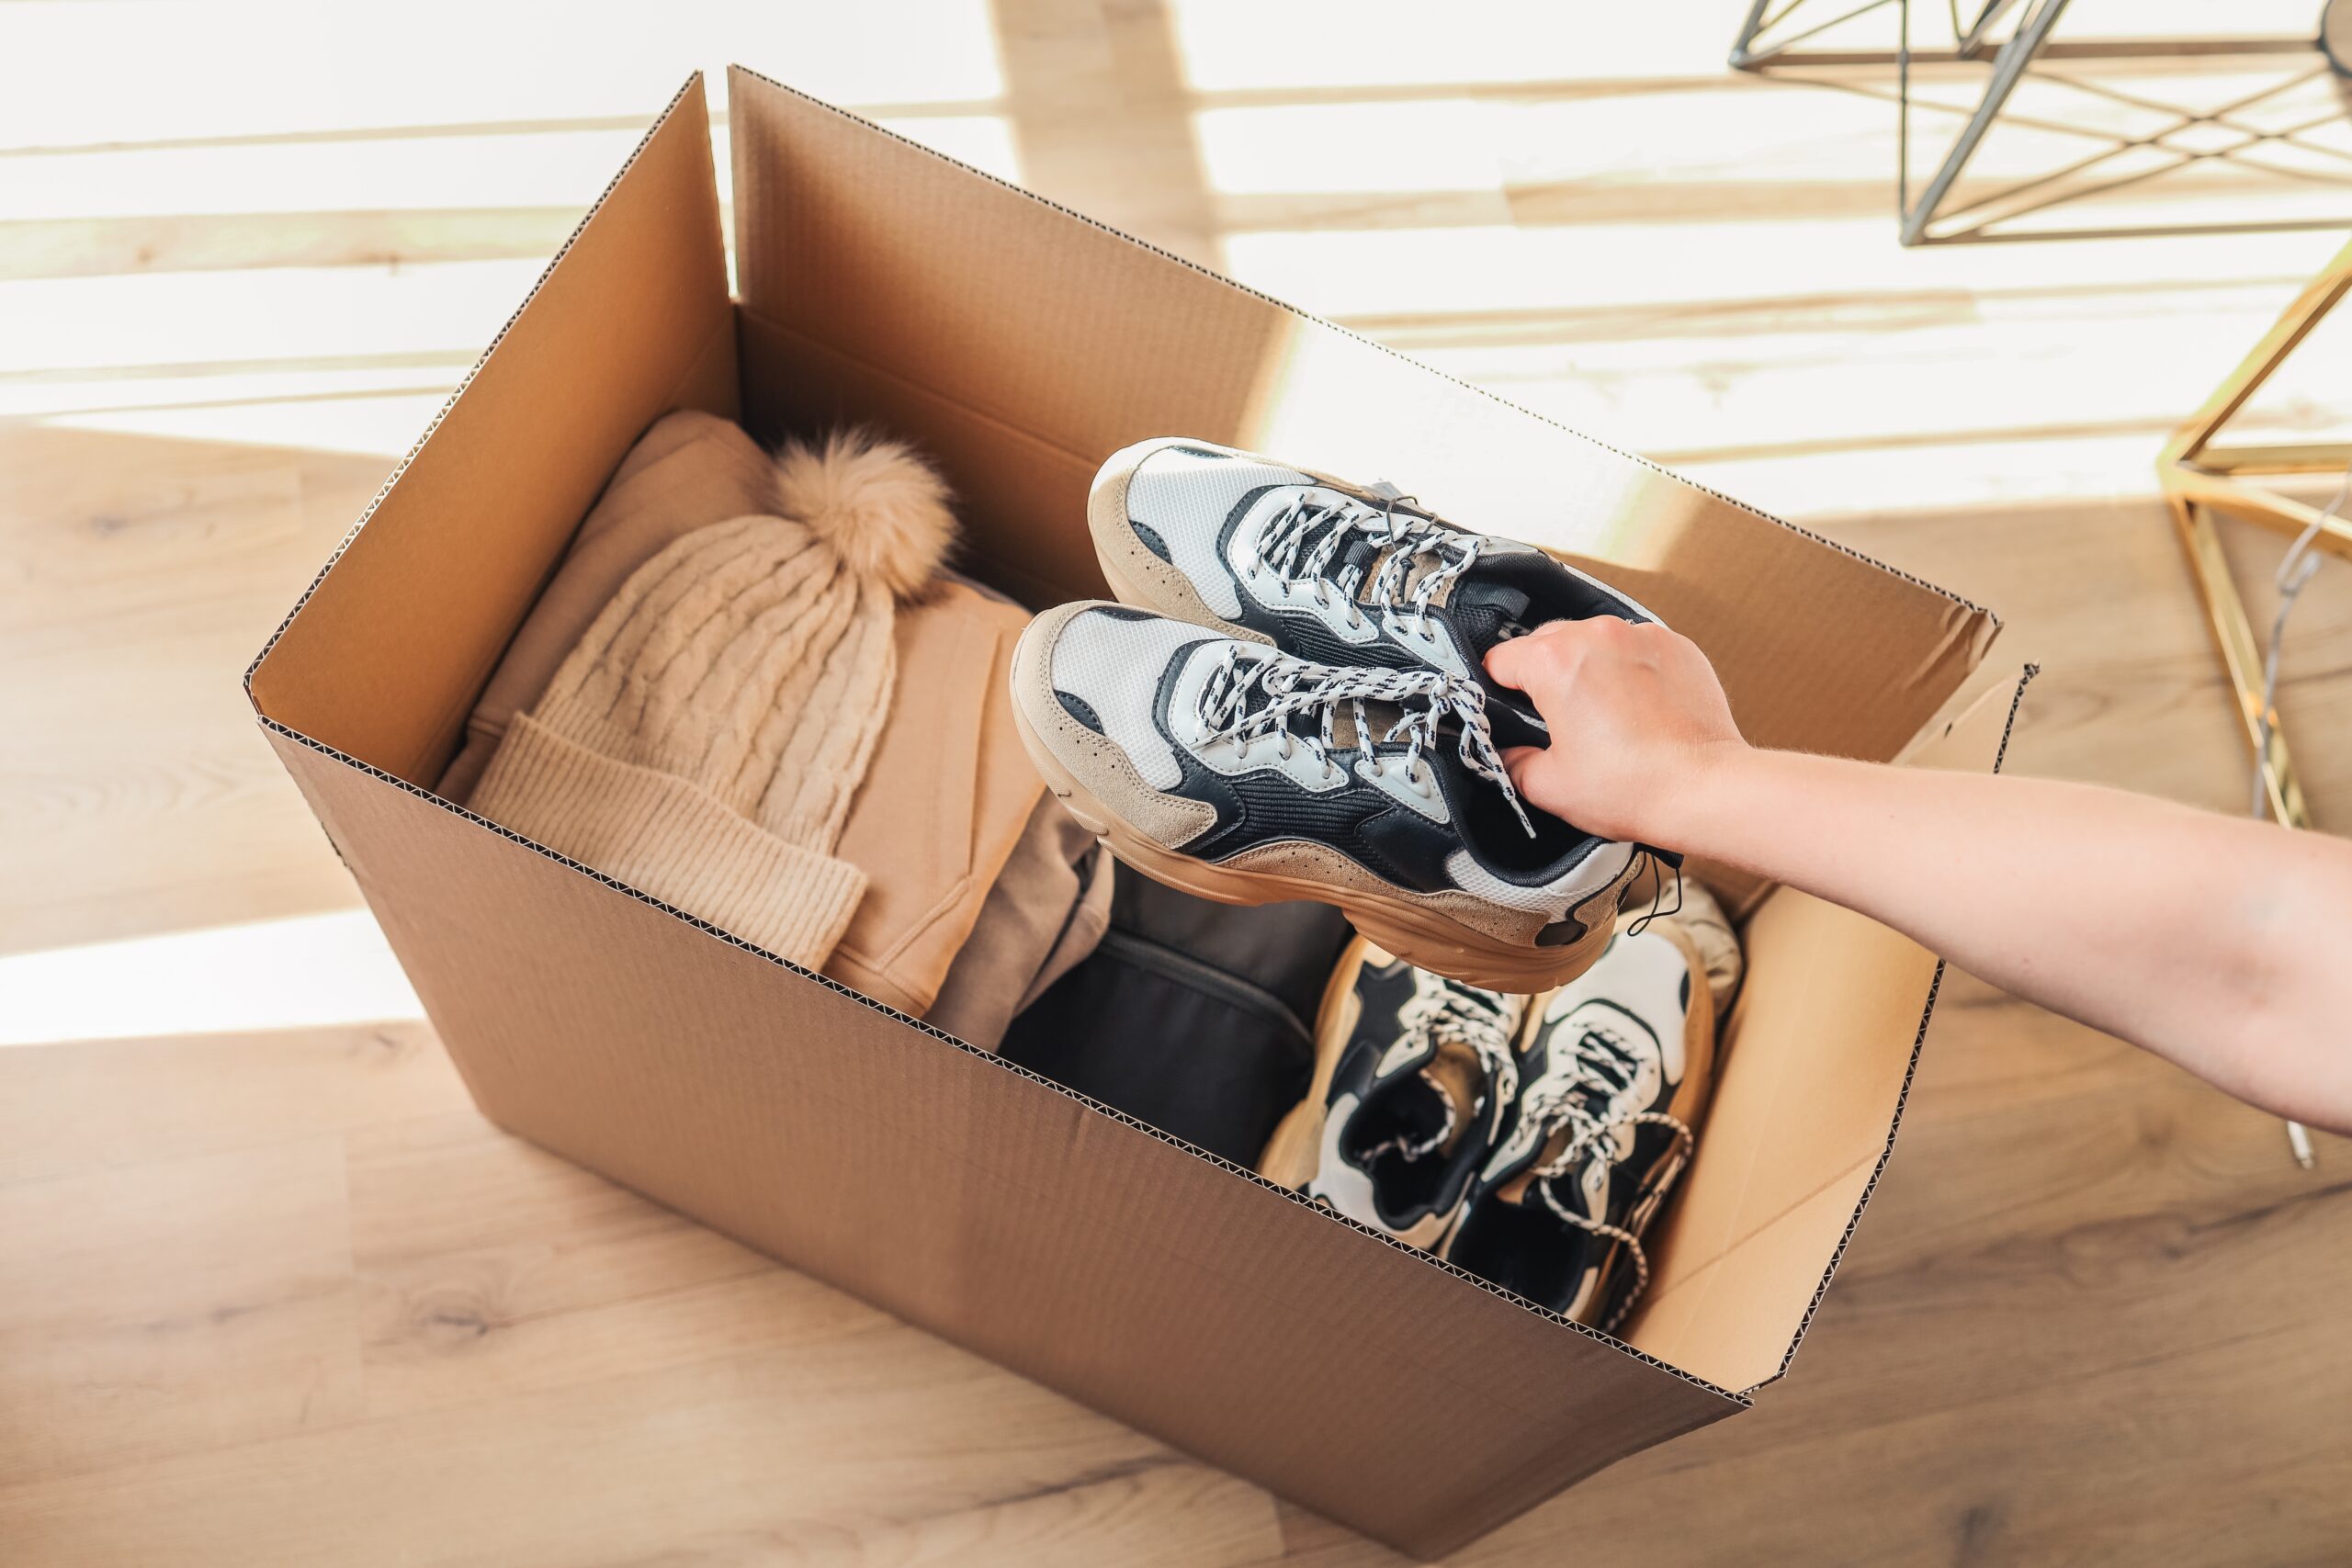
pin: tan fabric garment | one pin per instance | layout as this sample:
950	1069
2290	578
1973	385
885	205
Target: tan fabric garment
949	793
1050	908
690	470
703	741
965	937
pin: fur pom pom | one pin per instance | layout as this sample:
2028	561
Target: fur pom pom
880	506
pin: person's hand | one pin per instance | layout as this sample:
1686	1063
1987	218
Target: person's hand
1637	718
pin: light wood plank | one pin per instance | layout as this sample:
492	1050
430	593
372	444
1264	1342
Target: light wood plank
285	1297
70	1109
175	1305
888	1446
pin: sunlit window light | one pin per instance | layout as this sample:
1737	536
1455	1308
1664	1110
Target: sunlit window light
308	972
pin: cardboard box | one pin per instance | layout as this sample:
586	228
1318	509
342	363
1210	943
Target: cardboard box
1020	344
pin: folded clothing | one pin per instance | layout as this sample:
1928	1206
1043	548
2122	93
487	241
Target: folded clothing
1048	910
975	899
703	739
949	798
1197	1018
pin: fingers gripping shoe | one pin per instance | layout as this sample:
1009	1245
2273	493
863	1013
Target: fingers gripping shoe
1335	573
1617	1077
1416	1081
1224	768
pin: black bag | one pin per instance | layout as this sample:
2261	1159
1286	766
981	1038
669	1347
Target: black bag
1196	1017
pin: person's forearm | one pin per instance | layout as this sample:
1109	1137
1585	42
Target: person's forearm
2050	891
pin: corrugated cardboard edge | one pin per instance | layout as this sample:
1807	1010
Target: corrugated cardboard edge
1191	265
1903	1096
690	85
343	546
1110	1112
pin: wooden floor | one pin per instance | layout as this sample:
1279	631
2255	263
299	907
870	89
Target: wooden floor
271	1292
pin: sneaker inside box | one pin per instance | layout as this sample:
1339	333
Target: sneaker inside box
1018	344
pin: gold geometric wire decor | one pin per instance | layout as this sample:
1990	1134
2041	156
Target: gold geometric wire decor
2125	124
2200	479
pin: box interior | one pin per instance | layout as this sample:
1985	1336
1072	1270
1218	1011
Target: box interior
1020	344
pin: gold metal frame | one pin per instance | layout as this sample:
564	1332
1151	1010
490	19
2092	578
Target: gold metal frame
2200	482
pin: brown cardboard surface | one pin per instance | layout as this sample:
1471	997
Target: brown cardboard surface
799	383
387	653
1816	1060
1020	344
979	1201
881	280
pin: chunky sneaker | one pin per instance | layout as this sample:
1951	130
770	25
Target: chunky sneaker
1239	773
1616	1078
1416	1082
1339	573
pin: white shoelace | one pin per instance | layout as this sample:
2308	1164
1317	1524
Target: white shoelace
1433	1018
1291	687
1601	1061
1303	543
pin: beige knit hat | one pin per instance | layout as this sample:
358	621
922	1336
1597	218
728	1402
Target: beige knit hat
704	740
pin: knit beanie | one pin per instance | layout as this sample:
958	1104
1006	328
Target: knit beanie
704	740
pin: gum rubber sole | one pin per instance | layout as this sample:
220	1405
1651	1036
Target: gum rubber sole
1421	937
1294	1154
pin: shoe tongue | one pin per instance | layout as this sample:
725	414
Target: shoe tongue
1371	554
1596	1098
1567	1185
1457	1077
1359	549
1382	717
1488	612
1361	552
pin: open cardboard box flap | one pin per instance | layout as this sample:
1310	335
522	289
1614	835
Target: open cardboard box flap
1022	344
386	652
884	282
1816	1061
1028	343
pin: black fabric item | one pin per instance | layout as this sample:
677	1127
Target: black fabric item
1196	1017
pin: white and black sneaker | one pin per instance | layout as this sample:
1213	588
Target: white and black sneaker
1339	573
1416	1082
1617	1077
1227	769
